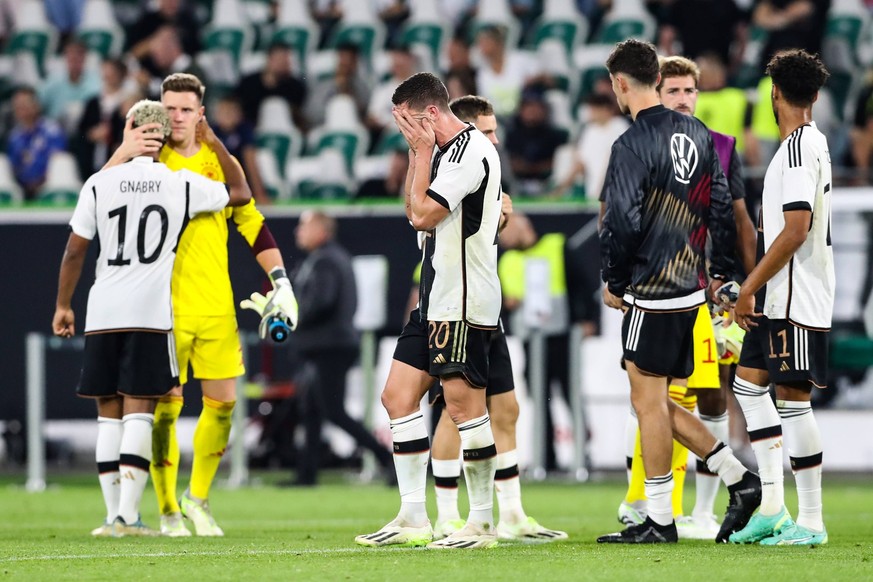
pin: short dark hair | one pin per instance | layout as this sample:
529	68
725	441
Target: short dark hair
636	59
183	83
495	32
676	66
421	90
798	74
470	107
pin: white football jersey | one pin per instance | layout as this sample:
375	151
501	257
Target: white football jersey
137	211
799	177
459	265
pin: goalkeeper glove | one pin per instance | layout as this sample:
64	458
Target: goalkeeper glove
257	302
281	299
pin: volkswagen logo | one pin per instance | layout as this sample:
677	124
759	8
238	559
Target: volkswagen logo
684	154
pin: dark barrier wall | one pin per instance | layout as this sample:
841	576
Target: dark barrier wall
32	254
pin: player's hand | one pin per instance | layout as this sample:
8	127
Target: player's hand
417	130
258	303
141	141
282	300
203	132
612	301
506	204
64	322
744	311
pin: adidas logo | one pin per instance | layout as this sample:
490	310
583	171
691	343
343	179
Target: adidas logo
440	359
784	367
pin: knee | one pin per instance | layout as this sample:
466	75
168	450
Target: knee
505	417
397	402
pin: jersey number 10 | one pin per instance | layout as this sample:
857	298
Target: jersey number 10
121	213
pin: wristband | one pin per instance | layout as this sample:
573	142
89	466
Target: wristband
278	276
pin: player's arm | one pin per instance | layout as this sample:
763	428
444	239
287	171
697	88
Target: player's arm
407	185
136	141
234	177
63	322
746	232
623	191
505	210
722	225
252	226
425	211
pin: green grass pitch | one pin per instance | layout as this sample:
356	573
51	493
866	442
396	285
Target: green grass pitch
307	534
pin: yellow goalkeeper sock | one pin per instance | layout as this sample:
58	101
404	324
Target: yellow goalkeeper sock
165	453
636	488
210	441
679	395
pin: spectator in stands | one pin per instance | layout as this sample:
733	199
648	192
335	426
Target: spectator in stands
65	15
63	95
460	74
175	13
720	107
503	73
165	56
327	340
94	140
605	124
276	79
531	141
392	13
347	79
862	131
326	14
791	24
32	141
238	136
392	183
379	116
702	26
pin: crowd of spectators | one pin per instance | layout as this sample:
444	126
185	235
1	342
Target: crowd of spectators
537	61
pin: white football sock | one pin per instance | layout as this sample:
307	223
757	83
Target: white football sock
508	486
722	462
411	452
477	441
803	440
631	426
706	482
135	455
446	475
765	432
108	446
659	492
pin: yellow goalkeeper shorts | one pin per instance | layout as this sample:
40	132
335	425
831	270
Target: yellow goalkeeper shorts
705	373
211	344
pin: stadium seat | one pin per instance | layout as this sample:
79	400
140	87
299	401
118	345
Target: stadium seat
324	176
361	27
62	183
296	28
562	165
590	63
561	111
554	61
226	38
626	19
342	130
270	175
497	13
99	29
277	133
560	21
390	140
749	72
845	22
10	191
33	34
424	27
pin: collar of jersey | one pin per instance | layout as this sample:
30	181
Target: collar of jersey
651	110
457	135
143	160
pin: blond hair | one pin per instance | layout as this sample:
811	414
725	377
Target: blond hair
677	67
145	111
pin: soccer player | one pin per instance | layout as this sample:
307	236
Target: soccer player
204	313
138	210
678	91
514	523
453	195
786	304
665	191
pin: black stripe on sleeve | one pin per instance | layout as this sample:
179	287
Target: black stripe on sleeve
443	202
629	461
801	205
801	463
482	454
769	432
411	447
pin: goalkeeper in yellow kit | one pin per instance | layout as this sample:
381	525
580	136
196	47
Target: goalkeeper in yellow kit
204	313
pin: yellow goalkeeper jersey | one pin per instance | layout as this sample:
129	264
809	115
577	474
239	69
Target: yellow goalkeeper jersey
201	283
